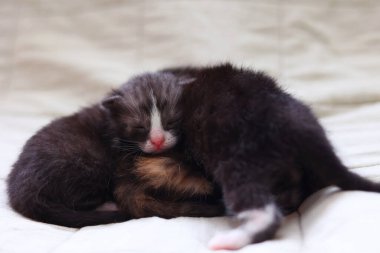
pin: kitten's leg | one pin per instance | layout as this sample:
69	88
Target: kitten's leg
138	204
256	225
247	195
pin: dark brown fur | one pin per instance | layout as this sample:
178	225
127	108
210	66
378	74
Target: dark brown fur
238	128
261	145
66	170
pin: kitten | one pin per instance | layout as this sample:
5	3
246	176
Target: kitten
65	173
154	178
264	148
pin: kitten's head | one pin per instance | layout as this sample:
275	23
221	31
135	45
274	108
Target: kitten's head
145	111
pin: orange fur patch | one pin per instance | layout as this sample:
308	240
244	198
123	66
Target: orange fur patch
166	172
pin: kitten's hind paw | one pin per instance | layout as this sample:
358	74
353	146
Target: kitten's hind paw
231	240
256	225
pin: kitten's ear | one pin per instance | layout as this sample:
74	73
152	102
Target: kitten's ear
112	103
185	80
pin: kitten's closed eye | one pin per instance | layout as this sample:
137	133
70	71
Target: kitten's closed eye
172	124
139	128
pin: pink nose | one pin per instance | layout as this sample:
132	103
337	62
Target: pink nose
157	141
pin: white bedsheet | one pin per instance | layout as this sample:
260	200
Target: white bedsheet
56	56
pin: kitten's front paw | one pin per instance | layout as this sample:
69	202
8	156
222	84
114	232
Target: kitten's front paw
108	206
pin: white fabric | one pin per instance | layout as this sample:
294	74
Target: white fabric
56	56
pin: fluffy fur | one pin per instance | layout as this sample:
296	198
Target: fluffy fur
163	183
264	149
165	186
65	172
261	145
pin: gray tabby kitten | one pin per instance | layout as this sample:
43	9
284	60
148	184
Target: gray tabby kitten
155	177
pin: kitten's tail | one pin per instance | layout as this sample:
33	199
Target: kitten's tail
352	181
63	216
323	168
77	219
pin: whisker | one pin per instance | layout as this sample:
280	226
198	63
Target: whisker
128	148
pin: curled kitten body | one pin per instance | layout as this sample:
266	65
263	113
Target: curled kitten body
264	148
65	172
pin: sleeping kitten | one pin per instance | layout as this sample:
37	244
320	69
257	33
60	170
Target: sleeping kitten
64	174
148	182
264	148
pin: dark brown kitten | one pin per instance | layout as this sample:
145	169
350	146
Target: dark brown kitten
65	170
264	148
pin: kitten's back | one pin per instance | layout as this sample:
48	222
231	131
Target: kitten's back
63	172
265	148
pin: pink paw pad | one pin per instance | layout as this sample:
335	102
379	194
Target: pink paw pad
231	240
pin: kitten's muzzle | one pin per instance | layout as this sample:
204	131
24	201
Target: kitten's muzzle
158	141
